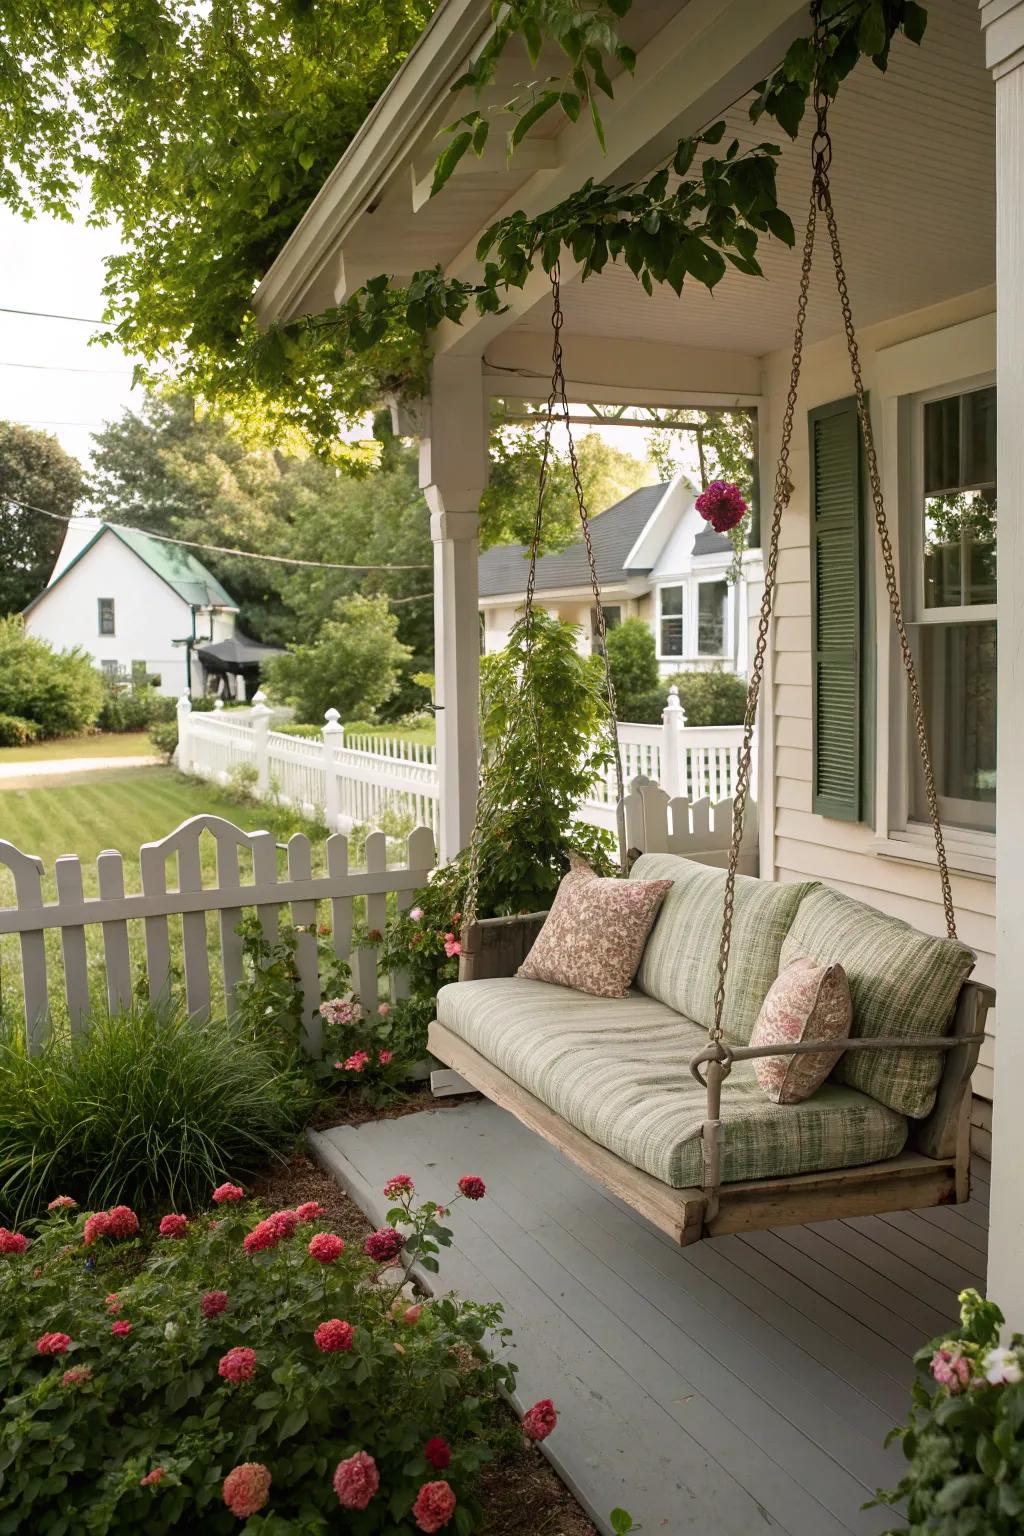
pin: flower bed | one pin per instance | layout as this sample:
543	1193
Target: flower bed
242	1366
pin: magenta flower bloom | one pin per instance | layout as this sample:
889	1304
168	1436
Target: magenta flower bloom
123	1221
226	1193
53	1344
452	946
384	1058
357	1062
12	1242
540	1420
721	505
356	1481
438	1452
326	1247
310	1210
63	1203
399	1184
213	1303
152	1478
246	1489
173	1226
334	1336
472	1187
96	1226
121	1329
384	1245
237	1365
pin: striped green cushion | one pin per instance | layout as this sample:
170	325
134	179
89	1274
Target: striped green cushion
680	963
618	1070
902	983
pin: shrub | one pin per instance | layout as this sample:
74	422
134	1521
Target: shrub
134	709
293	728
353	665
60	690
633	664
144	1106
164	737
232	1366
710	698
15	732
965	1439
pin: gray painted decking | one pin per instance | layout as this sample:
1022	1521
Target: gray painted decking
742	1385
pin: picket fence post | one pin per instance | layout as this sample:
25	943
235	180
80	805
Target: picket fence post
260	732
184	745
333	736
673	752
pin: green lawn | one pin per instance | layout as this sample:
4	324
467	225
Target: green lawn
426	735
104	744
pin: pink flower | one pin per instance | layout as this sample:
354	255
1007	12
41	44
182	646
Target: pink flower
246	1489
540	1420
265	1234
412	1315
123	1221
213	1303
12	1242
383	1009
96	1226
77	1376
399	1184
434	1506
951	1368
173	1226
63	1203
339	1011
472	1187
285	1221
438	1453
356	1481
121	1329
384	1245
357	1061
325	1247
237	1365
721	505
384	1058
113	1303
53	1343
333	1336
452	947
415	914
310	1210
152	1478
225	1193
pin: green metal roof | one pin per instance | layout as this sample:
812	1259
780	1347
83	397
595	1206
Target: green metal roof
178	567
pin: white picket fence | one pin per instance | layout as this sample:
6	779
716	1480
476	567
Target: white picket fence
359	780
246	876
696	829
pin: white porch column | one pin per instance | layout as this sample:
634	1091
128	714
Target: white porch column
453	474
1003	21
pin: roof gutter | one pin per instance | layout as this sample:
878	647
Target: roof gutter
386	138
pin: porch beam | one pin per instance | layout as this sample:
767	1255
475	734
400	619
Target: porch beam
518	365
453	474
1003	21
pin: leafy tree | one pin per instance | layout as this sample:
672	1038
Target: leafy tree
33	468
634	667
60	690
352	666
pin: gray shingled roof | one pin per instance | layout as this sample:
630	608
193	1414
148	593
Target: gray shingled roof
613	532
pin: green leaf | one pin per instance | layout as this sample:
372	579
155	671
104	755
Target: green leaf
532	37
686	149
448	159
598	125
872	33
480	133
915	20
619	7
621	1522
780	224
787	105
705	263
713	134
545	101
571	105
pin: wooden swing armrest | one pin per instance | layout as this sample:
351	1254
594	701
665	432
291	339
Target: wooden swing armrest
497	946
727	1054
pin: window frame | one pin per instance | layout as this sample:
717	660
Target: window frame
680	587
110	633
706	580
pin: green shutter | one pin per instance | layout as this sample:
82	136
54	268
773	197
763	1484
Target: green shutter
842	683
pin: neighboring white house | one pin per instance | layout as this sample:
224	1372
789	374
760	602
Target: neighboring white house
135	603
658	560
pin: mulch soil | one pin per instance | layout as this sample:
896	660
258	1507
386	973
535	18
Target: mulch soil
520	1491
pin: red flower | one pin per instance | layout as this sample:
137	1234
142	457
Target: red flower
123	1221
434	1506
77	1376
452	946
63	1203
384	1058
311	1210
246	1489
438	1453
227	1192
53	1343
213	1303
384	1245
333	1336
152	1478
472	1187
237	1365
357	1062
540	1420
412	1315
173	1226
285	1221
12	1242
121	1329
96	1226
265	1234
721	505
398	1184
326	1247
356	1481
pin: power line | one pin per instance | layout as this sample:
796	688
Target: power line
220	549
119	373
45	314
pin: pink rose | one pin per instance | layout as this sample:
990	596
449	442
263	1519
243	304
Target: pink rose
77	1376
384	1245
152	1478
540	1420
96	1226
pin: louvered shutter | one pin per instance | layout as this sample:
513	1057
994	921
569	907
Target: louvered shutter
837	611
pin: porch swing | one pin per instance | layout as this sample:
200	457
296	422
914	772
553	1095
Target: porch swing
933	1166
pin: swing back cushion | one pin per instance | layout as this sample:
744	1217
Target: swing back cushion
902	983
680	963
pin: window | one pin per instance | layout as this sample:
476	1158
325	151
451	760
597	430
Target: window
712	597
955	634
670	621
106	615
111	670
612	620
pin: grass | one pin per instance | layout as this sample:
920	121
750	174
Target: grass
103	744
425	735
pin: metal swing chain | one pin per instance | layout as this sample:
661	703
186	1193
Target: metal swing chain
821	199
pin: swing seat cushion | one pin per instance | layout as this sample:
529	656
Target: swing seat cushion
618	1070
902	983
680	964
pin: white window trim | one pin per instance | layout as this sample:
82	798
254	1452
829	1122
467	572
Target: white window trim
689	583
703	580
681	584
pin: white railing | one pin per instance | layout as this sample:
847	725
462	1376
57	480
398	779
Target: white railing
701	829
209	897
362	780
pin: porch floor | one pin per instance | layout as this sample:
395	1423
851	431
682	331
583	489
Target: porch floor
742	1385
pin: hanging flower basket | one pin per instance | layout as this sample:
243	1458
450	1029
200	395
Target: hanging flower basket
722	505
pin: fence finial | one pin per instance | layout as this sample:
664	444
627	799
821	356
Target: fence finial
184	705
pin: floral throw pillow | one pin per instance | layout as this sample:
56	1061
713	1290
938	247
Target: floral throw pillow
595	933
806	1001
